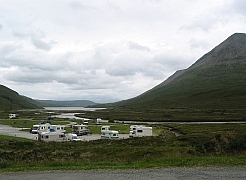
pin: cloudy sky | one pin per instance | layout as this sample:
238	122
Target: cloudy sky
107	50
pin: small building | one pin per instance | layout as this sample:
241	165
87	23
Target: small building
52	136
106	133
140	131
80	129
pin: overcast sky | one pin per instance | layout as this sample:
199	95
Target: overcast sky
107	50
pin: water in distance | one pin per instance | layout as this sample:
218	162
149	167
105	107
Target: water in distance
71	108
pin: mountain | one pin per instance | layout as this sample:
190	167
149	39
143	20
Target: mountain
216	80
11	100
75	103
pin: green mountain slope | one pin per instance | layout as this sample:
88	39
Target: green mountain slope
216	80
11	100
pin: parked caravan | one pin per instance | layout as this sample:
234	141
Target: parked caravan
85	122
140	131
105	128
52	136
11	116
106	133
99	121
72	137
57	128
44	128
80	129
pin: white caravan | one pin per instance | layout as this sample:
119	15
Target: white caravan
43	128
52	136
80	129
73	137
13	116
51	128
106	133
57	128
140	131
99	121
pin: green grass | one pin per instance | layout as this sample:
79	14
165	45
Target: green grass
12	138
160	163
197	146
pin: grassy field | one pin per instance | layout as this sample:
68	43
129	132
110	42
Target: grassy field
168	115
177	145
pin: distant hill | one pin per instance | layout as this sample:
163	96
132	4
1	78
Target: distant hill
216	80
75	103
11	100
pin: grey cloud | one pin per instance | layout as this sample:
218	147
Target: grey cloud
79	5
121	71
39	44
25	75
198	43
20	34
1	26
137	46
7	49
238	6
171	62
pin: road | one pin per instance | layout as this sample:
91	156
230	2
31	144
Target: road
235	173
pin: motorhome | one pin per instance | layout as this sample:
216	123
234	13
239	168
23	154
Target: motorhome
43	128
52	136
99	121
106	133
57	128
11	116
85	122
80	129
140	131
72	137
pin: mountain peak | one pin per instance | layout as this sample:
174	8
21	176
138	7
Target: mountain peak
216	80
228	52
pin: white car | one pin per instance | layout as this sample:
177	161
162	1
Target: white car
72	137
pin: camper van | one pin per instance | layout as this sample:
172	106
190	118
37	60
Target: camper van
80	129
100	121
11	116
52	136
140	131
85	122
43	128
57	128
106	133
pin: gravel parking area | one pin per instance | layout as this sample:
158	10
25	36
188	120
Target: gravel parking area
11	131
